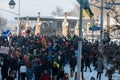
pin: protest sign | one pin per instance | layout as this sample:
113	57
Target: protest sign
4	50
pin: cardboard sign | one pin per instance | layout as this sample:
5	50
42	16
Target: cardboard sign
4	50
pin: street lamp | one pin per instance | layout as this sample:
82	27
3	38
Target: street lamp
12	5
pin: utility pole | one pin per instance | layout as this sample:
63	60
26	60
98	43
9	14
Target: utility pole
79	43
101	22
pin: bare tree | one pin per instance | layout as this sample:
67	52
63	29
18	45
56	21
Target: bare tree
58	12
3	22
75	11
114	11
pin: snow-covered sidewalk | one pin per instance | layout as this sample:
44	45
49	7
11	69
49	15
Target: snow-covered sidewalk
88	74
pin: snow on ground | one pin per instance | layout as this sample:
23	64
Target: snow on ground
88	74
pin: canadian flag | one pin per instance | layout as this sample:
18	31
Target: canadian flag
23	33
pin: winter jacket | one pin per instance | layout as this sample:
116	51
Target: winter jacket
45	77
100	65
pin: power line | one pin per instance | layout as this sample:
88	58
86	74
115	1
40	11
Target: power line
9	11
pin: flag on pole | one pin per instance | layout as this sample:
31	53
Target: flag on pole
6	33
89	12
86	7
83	13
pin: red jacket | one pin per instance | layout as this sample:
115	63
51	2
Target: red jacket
45	77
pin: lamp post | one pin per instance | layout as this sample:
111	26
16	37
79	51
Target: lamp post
79	74
101	22
12	6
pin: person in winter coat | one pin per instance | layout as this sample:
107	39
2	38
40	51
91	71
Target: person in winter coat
72	63
61	73
82	66
4	68
99	67
47	65
87	63
66	76
11	76
92	78
45	76
37	69
29	69
14	68
55	70
110	70
23	70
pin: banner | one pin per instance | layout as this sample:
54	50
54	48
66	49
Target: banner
43	41
6	33
4	50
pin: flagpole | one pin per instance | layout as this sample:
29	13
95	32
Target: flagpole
79	43
101	22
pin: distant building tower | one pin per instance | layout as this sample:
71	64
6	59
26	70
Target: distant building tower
65	26
38	25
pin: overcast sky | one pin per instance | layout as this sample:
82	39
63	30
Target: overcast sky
32	7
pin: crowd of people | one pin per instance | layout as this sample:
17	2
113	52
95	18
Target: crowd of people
44	57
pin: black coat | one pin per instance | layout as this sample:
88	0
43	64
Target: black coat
38	71
82	64
73	62
87	61
4	68
14	65
55	70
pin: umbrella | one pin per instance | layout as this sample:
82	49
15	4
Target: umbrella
94	28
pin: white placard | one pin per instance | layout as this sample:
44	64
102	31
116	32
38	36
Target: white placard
4	50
